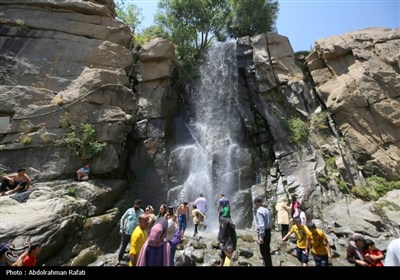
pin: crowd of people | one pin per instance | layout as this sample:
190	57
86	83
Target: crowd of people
153	239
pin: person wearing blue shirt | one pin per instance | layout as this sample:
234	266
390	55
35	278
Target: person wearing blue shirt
127	224
83	173
222	203
263	223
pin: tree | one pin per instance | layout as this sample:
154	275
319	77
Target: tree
249	18
191	26
150	32
191	23
130	14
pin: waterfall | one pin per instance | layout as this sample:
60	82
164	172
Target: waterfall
213	161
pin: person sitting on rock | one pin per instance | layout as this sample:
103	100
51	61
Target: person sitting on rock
33	253
372	255
83	173
15	182
355	251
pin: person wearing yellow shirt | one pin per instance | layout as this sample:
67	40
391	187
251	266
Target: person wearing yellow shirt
321	249
228	256
301	233
138	238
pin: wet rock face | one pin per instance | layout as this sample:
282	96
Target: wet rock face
357	77
53	54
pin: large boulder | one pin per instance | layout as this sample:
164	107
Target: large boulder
357	76
58	211
63	63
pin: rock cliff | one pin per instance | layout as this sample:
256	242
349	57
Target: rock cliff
64	63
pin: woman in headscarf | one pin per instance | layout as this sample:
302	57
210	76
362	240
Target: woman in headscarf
156	249
284	215
355	251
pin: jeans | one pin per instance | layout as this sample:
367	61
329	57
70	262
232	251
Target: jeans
265	248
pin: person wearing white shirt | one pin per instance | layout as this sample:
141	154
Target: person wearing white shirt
393	253
201	203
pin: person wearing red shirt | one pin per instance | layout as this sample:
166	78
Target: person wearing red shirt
34	251
372	255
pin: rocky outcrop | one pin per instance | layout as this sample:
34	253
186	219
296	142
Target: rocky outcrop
63	63
157	104
273	89
357	76
64	217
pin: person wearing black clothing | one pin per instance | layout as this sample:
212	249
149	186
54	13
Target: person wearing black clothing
226	234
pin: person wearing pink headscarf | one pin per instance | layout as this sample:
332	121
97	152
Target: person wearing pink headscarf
156	249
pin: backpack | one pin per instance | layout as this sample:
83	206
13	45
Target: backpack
200	216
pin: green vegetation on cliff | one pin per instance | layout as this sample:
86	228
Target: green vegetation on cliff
376	187
81	142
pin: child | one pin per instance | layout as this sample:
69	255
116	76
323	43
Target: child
198	218
83	173
228	256
372	255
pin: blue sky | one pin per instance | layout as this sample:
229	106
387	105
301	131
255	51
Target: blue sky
304	21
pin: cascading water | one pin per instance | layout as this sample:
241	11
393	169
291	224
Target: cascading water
213	162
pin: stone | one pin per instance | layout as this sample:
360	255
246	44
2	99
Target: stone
361	91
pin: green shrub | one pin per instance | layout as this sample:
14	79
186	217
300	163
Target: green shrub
85	146
157	159
343	186
298	129
71	191
331	165
376	187
64	120
25	140
319	120
21	23
81	220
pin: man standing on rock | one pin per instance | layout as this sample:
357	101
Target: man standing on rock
222	203
263	223
128	223
201	204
